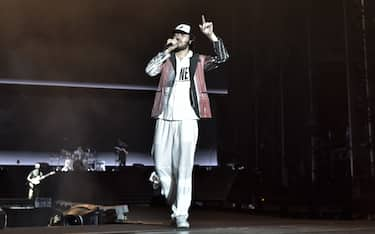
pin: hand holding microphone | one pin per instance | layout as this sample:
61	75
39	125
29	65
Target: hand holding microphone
170	45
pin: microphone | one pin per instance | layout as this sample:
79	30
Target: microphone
166	46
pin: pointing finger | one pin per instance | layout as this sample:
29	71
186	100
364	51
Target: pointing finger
203	20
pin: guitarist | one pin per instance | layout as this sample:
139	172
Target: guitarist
34	178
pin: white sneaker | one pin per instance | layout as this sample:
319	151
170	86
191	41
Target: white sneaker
181	222
154	178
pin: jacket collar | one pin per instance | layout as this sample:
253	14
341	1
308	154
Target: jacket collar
190	54
194	57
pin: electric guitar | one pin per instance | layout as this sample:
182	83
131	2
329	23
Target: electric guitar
36	180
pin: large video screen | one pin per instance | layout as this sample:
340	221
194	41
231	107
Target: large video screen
37	123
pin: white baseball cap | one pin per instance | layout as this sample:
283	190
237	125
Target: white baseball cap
183	28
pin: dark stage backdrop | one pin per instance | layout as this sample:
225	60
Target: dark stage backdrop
300	79
100	42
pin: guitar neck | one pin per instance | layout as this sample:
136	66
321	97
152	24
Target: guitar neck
46	175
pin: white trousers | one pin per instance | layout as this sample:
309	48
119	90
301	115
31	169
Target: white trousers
173	152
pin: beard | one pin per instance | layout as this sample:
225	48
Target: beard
182	47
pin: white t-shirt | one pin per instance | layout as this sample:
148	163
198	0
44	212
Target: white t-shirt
179	106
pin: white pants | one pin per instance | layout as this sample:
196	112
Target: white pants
173	152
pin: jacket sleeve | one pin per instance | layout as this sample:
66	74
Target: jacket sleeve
221	55
153	67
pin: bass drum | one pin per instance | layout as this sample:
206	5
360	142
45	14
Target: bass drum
80	165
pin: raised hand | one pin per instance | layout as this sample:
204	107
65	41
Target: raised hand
207	28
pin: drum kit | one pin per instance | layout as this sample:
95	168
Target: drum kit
81	160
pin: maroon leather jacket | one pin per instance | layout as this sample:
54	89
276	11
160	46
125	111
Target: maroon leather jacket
165	64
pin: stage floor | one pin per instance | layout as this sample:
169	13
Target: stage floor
146	219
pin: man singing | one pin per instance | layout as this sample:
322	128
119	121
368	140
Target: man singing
180	101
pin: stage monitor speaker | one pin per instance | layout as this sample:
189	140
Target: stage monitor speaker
18	216
3	219
90	214
212	183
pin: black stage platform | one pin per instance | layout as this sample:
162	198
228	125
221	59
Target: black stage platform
151	219
215	191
